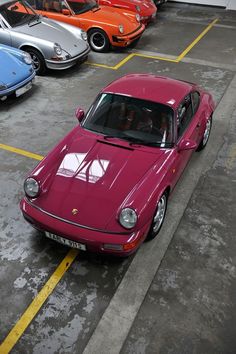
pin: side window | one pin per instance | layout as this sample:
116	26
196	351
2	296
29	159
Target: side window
185	114
52	5
195	101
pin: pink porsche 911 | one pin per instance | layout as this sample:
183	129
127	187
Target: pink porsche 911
105	187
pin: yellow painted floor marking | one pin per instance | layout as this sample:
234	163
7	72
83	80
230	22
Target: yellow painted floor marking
187	50
21	152
177	60
124	61
155	57
37	303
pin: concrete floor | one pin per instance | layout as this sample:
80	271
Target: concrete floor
177	294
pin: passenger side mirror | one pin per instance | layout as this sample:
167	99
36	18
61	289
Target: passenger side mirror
66	12
79	113
187	144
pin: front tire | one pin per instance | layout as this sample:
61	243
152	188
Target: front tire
98	40
158	217
206	135
37	61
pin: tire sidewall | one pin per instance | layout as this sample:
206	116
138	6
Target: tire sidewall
91	35
151	233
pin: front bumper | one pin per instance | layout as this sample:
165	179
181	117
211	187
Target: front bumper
147	19
94	240
125	40
66	64
11	90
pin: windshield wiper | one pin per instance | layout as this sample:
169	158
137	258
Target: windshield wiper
132	140
152	143
34	17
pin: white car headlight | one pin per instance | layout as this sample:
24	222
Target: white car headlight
137	8
27	58
31	187
128	218
57	49
2	86
138	17
84	35
121	28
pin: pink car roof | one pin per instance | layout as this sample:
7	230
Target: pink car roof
150	87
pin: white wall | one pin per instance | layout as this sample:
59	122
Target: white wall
228	4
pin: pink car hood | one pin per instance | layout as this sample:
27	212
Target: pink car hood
94	178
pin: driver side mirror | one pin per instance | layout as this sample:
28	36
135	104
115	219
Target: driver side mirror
66	12
79	113
187	144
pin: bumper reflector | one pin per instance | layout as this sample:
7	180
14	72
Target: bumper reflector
112	246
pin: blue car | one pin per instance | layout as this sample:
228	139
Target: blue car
16	72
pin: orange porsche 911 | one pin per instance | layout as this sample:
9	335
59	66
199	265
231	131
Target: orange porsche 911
104	25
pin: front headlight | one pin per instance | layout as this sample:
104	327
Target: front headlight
2	87
121	28
57	49
137	8
138	17
84	35
128	218
27	58
31	187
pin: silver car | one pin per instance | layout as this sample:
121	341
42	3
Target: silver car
50	44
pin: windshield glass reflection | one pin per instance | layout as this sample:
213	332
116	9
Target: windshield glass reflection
17	13
136	120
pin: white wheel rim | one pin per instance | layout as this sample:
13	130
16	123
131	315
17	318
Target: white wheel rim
206	132
98	40
160	214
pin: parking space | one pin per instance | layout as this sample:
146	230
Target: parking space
35	122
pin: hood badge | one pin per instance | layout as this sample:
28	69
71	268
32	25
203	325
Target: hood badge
74	211
13	72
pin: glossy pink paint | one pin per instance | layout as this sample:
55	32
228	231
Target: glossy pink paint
99	177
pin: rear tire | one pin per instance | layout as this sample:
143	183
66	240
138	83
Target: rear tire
98	40
158	217
37	60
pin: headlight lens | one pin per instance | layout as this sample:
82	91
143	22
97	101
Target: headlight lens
137	8
128	218
57	49
27	58
84	35
2	87
137	17
31	187
121	28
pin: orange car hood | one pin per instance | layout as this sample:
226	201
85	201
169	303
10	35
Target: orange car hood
105	15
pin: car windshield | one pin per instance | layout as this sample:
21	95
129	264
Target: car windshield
17	13
135	120
80	6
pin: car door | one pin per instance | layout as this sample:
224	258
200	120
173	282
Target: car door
5	36
187	128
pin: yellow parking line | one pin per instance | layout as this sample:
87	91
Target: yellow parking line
100	65
37	303
187	50
155	57
177	60
124	61
21	152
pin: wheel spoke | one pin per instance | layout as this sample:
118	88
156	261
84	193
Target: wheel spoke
160	213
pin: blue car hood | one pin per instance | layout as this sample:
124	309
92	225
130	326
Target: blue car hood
12	69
